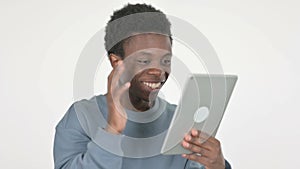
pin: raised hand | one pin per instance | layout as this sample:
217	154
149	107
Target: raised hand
117	117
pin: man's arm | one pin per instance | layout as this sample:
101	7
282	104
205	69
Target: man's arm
73	149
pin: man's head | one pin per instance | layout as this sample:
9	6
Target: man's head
134	19
139	35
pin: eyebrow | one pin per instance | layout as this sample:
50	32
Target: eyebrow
145	53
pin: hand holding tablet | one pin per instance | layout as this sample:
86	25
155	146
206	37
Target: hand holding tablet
202	105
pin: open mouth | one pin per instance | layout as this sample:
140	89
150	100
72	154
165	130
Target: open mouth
153	85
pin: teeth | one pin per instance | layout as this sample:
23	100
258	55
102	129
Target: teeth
152	85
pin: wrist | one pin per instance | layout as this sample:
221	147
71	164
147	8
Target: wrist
112	130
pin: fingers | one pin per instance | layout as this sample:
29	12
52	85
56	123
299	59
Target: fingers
202	143
114	87
117	116
118	71
115	75
114	99
199	158
124	87
205	149
201	138
196	149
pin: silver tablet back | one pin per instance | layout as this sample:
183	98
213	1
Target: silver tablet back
202	106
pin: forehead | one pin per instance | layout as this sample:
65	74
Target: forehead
147	42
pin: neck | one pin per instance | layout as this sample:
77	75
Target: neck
134	103
140	104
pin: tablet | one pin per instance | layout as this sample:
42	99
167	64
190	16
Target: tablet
202	104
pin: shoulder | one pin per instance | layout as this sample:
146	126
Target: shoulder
169	108
79	109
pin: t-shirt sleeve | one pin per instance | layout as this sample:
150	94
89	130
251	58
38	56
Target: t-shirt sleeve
194	165
74	149
227	165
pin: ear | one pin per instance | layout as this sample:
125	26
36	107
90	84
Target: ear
114	59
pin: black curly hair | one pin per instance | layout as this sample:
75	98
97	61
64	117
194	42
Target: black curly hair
123	24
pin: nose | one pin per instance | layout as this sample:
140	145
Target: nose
156	72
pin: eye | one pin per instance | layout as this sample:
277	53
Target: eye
143	61
166	61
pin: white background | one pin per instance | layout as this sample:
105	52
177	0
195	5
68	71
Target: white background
40	42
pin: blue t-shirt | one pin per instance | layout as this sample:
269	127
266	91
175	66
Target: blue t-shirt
82	143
